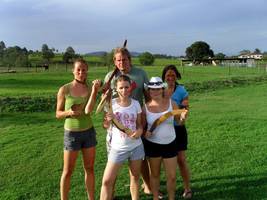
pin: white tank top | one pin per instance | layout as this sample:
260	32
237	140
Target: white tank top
164	133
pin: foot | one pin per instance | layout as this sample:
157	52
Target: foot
146	189
160	196
187	194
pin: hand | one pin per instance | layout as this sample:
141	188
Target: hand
96	84
109	116
74	113
147	134
184	115
136	134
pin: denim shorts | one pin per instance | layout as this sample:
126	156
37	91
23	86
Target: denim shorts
119	156
77	140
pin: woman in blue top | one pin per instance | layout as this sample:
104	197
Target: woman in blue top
178	93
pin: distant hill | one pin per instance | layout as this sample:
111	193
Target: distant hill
101	53
135	54
96	53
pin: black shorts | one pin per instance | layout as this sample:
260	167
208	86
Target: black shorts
155	150
181	138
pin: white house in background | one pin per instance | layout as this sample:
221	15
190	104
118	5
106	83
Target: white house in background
257	56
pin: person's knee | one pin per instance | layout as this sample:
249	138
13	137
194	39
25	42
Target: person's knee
172	179
135	176
67	172
181	160
155	175
89	169
107	182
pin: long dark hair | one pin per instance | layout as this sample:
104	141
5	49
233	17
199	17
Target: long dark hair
173	68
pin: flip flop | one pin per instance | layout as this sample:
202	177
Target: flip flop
187	194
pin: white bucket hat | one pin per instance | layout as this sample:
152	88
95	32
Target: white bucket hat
155	83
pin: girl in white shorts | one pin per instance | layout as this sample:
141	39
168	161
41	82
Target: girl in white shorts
123	146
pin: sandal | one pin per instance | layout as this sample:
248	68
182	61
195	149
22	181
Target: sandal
160	196
187	194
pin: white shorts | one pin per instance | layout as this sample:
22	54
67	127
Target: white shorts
119	156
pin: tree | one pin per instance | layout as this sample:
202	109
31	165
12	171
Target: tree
244	52
220	56
15	57
107	58
146	58
69	55
2	48
47	53
199	50
257	51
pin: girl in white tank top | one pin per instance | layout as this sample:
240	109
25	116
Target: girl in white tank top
164	133
160	144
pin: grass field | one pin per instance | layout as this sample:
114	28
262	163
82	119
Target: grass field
47	83
227	142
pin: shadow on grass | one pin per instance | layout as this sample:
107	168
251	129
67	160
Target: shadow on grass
127	197
253	186
243	187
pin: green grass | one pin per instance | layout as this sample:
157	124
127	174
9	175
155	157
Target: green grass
227	150
47	83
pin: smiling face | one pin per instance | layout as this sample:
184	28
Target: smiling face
156	93
170	77
80	71
123	88
122	62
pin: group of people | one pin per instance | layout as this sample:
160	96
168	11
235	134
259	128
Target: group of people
137	102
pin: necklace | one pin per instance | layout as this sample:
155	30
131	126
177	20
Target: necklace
81	82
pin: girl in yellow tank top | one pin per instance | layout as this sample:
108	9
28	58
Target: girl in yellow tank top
75	102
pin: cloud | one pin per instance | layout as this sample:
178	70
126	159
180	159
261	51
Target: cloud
153	25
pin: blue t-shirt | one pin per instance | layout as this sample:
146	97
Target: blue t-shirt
178	96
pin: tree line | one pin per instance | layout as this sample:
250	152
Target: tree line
17	56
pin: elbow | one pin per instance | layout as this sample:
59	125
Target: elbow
57	116
87	111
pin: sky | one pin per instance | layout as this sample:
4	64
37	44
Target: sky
157	26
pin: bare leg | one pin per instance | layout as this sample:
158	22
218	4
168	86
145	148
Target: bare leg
146	177
135	170
184	171
155	164
170	165
108	180
88	165
69	164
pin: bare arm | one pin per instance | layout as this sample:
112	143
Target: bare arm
107	118
146	132
139	127
60	111
185	103
176	117
143	118
92	99
180	119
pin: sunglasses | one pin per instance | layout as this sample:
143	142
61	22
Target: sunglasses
155	83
